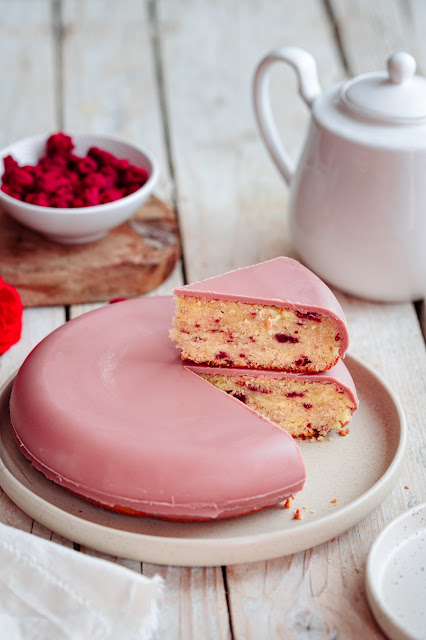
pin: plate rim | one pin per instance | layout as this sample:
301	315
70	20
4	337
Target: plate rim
239	549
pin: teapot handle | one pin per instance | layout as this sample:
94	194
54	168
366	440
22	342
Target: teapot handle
305	66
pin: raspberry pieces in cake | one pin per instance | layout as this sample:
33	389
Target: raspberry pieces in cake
305	405
274	315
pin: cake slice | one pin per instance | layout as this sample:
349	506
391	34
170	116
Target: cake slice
274	315
305	404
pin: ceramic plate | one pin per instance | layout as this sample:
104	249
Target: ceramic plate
347	477
396	576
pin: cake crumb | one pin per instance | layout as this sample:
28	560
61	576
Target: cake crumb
405	487
287	504
334	501
320	438
297	515
344	432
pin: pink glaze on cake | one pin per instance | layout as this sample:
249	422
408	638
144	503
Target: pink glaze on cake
281	282
105	407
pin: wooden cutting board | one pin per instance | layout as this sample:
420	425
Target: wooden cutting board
130	260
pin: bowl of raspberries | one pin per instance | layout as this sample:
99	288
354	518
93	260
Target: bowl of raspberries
74	189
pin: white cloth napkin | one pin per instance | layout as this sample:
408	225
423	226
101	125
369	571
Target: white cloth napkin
49	592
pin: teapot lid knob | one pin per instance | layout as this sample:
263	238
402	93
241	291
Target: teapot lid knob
401	67
397	95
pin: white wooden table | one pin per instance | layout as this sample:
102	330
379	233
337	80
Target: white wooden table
175	76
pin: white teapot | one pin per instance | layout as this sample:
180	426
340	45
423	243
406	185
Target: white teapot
358	195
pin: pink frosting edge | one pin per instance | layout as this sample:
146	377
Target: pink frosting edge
182	512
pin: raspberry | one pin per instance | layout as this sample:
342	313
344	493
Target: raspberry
308	316
61	202
111	176
20	179
133	188
115	300
10	192
110	195
9	163
86	165
283	337
62	179
37	198
60	144
90	196
102	157
97	180
134	175
50	182
121	164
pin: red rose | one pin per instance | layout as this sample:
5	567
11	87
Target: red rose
10	316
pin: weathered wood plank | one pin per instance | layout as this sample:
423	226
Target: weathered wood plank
27	77
196	605
231	201
372	31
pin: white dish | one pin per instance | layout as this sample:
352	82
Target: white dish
80	224
396	576
357	471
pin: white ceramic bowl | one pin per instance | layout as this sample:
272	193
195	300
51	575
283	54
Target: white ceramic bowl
396	576
81	224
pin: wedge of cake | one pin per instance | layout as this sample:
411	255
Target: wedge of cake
304	404
275	315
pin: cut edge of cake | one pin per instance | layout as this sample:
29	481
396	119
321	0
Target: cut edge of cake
279	305
304	405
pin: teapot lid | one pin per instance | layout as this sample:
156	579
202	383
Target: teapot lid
396	96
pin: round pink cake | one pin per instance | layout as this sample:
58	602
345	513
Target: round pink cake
105	407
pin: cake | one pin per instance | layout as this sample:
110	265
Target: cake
306	405
108	409
105	408
275	315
